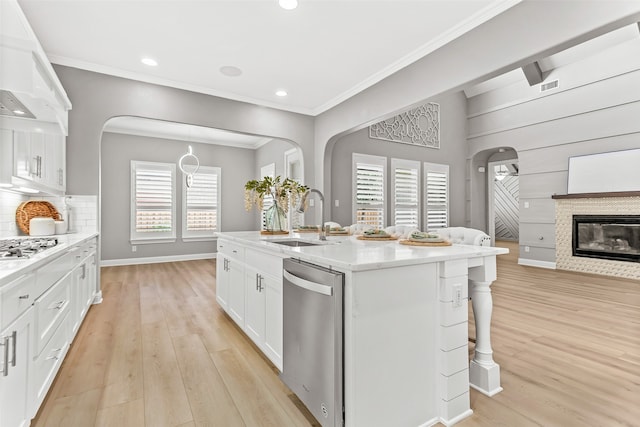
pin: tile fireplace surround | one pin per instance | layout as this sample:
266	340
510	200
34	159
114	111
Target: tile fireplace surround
593	204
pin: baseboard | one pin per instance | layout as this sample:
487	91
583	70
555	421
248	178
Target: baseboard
536	263
155	260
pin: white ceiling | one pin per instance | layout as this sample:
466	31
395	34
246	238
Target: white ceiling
321	53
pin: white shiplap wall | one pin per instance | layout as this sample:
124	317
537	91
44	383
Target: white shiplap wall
595	110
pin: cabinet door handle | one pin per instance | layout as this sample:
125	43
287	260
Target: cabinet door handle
57	306
84	271
5	365
25	296
14	337
259	283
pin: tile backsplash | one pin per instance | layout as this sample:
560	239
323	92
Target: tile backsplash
80	212
8	203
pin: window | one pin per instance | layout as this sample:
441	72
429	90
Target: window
406	192
369	177
436	196
153	212
200	202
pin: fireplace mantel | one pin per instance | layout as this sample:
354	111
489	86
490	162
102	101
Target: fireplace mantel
596	195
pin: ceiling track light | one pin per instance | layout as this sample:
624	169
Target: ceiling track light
288	4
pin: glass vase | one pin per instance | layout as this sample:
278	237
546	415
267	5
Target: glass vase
275	218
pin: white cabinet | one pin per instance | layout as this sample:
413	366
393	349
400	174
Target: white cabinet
249	289
255	308
14	368
40	313
222	281
230	292
235	271
273	318
39	160
83	285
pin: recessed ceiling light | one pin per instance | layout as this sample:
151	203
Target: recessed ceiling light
288	4
230	71
18	112
150	62
281	92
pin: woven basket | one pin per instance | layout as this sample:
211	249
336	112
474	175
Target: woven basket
32	209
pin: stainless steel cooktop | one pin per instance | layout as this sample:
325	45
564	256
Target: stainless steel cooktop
11	249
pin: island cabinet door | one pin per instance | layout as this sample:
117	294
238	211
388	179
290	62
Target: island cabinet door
222	281
272	287
235	270
255	315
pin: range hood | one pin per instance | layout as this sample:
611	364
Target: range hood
11	106
28	83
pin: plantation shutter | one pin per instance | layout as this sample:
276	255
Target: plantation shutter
201	204
153	200
406	198
437	196
369	177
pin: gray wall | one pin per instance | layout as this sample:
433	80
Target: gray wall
452	152
595	110
506	42
272	152
98	97
237	167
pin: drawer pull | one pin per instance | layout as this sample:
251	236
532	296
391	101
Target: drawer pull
5	365
57	306
14	336
25	296
56	356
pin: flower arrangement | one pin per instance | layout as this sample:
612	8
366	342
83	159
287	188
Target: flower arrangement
284	192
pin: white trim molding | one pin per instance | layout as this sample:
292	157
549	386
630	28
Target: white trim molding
157	259
535	263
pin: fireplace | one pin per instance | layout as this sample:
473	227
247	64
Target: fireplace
613	237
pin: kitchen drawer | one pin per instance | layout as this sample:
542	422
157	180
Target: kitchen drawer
16	297
47	364
264	262
231	249
50	273
50	310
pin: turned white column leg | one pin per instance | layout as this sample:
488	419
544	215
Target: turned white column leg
484	373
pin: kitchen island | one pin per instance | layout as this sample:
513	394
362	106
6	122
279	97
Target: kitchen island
405	319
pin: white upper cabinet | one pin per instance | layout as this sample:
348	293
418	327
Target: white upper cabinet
28	83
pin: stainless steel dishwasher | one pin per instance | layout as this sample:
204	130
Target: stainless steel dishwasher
313	338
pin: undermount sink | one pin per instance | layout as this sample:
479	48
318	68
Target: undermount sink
294	243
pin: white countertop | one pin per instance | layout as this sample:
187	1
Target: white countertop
349	253
10	270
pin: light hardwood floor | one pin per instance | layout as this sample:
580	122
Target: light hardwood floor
160	352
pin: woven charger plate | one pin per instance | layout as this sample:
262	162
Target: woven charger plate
33	209
412	243
306	230
377	238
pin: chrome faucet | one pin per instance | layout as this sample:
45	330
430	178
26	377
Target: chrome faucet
322	235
